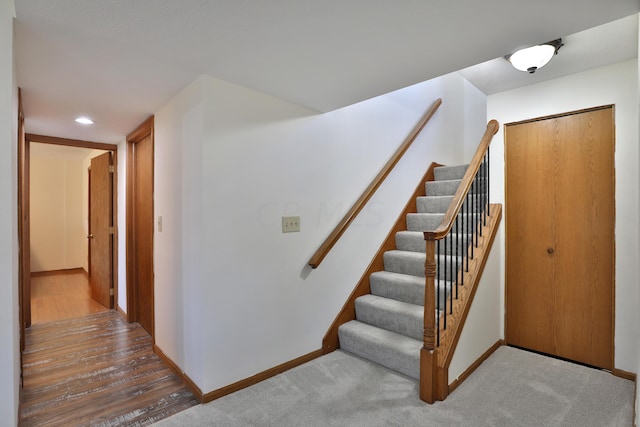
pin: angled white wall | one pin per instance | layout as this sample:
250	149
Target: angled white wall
9	325
234	295
614	84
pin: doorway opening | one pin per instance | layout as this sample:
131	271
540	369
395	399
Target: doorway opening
59	277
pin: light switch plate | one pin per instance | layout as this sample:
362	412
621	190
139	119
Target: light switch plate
290	224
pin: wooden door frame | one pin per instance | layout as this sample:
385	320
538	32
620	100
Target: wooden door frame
24	228
613	291
145	129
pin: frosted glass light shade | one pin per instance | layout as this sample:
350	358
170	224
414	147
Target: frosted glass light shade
84	121
532	58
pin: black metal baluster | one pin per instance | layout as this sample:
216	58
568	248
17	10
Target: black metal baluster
457	250
477	217
468	225
437	313
488	186
452	273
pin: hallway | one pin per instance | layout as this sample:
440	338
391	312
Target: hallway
64	295
96	370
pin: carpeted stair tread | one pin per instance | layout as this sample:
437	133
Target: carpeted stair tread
412	263
433	204
389	323
413	241
403	287
442	188
390	349
386	313
444	173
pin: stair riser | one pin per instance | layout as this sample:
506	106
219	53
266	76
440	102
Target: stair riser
408	322
411	296
433	204
414	265
444	173
414	242
430	222
406	362
449	188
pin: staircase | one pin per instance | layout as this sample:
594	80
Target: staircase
389	323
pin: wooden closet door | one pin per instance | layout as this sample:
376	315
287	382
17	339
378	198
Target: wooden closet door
560	199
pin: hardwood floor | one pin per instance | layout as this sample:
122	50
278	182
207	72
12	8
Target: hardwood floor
97	370
61	295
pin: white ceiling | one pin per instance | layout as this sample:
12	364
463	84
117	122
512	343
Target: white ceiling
118	61
602	45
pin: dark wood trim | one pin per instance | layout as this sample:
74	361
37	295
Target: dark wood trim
89	221
216	394
58	272
144	129
24	229
624	374
568	113
455	383
114	237
348	311
24	253
342	226
180	373
130	242
43	139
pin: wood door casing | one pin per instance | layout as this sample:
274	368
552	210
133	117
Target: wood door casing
140	226
560	198
100	229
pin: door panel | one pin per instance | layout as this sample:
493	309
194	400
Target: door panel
143	225
560	236
100	237
140	226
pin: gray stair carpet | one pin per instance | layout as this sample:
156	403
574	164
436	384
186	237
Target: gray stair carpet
389	323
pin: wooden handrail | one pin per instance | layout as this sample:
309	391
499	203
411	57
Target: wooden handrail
433	382
458	199
326	246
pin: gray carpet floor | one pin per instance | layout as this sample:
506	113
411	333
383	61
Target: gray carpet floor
511	388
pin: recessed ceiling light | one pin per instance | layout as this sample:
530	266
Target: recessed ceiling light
84	120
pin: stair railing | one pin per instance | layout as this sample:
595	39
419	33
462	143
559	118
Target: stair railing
448	250
342	226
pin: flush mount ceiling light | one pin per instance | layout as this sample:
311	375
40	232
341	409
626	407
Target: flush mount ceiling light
84	121
534	57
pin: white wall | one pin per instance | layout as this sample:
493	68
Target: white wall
483	327
615	84
9	325
58	235
234	296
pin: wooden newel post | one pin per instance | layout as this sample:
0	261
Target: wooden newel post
428	352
